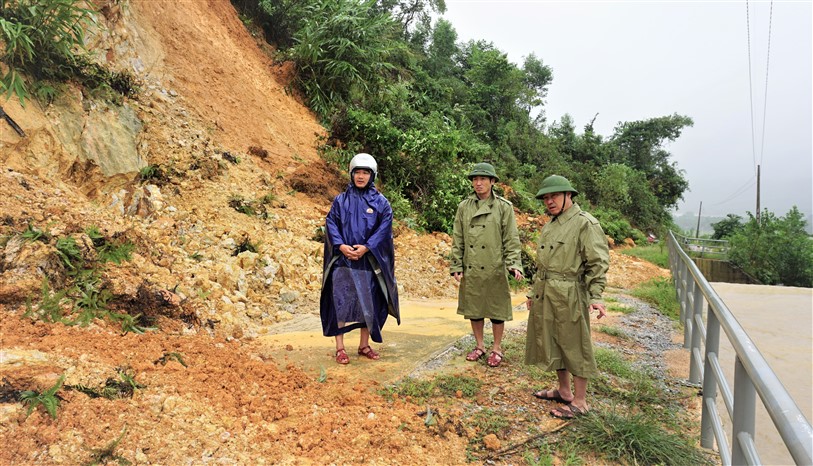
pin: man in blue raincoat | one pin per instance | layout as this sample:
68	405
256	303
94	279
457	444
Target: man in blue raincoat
358	287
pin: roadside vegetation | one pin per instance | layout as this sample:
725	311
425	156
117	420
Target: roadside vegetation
773	249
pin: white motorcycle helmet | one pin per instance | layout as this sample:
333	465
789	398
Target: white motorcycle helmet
364	161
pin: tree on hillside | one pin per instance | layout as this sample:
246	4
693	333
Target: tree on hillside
726	227
774	250
639	144
413	13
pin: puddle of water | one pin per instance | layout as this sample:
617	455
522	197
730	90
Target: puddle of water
428	327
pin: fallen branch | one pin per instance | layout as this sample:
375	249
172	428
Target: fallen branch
513	448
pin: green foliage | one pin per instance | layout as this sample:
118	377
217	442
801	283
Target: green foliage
107	454
84	299
242	205
151	173
654	253
416	389
450	384
659	292
634	438
342	48
616	226
774	249
116	251
489	421
47	399
49	309
43	40
171	356
130	323
612	331
113	389
245	244
33	233
68	251
727	227
388	83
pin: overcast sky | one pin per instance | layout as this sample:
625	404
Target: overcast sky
631	60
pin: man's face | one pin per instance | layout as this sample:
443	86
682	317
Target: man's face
361	176
482	185
555	202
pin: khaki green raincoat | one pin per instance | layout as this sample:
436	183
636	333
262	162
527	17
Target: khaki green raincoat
486	245
572	261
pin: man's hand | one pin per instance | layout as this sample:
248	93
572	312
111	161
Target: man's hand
600	308
457	275
528	303
517	274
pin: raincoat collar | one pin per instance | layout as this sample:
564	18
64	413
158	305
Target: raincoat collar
483	205
571	212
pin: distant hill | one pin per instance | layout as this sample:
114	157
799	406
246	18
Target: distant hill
688	222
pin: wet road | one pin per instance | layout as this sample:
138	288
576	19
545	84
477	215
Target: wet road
780	322
428	328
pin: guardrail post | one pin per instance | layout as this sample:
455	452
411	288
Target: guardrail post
696	316
685	311
709	379
745	397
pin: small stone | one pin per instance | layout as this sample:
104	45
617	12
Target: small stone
492	442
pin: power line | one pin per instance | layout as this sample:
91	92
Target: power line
767	67
750	84
739	191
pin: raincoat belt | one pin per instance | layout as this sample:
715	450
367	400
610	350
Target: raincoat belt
550	275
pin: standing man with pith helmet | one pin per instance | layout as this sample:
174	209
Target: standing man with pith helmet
572	261
485	250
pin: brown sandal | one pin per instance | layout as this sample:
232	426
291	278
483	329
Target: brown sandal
369	353
495	359
342	357
475	354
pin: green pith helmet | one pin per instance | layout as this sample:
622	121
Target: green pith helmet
555	184
484	169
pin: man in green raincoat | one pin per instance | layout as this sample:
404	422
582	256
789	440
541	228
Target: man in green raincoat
485	250
572	261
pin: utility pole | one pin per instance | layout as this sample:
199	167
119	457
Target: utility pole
757	195
700	211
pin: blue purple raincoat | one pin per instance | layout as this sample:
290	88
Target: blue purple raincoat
360	293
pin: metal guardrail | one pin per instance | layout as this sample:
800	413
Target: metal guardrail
752	374
703	246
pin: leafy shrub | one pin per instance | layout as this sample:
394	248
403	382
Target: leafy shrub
616	226
41	40
47	399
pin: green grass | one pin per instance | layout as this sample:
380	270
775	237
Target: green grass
616	307
659	292
612	331
450	384
633	438
658	254
444	385
417	389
